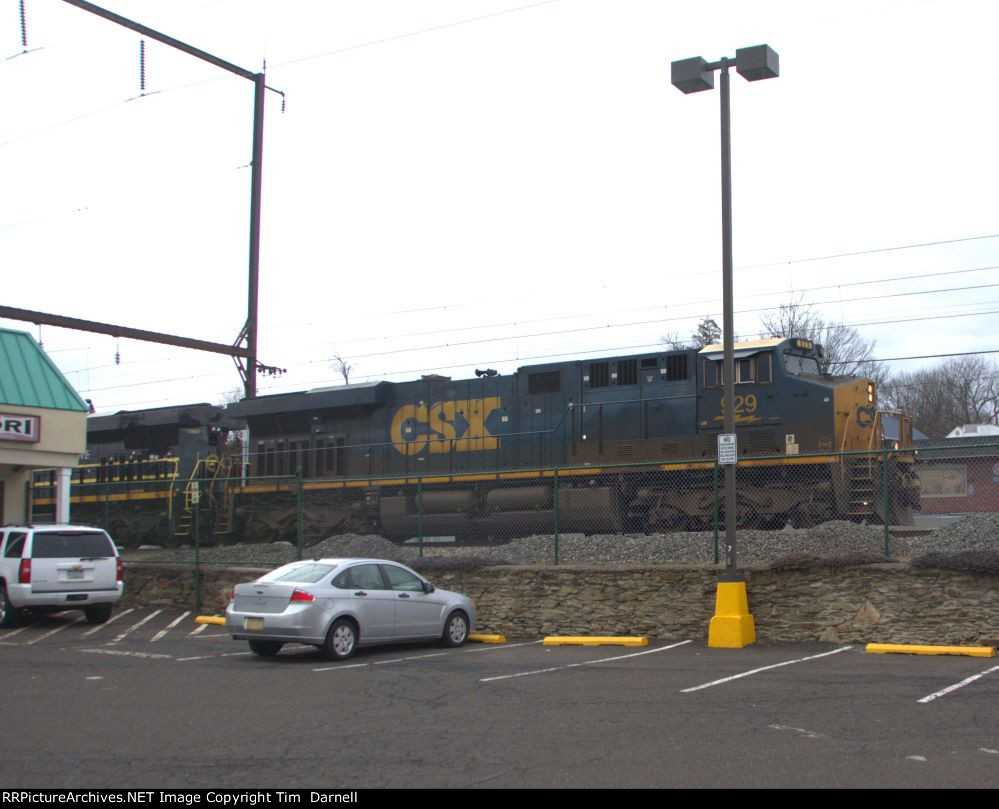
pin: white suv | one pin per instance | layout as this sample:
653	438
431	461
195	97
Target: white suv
57	567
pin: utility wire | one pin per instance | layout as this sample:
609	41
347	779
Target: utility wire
413	33
711	302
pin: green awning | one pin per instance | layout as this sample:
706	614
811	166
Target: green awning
28	377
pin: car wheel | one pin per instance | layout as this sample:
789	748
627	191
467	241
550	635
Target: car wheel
97	613
340	640
456	629
8	612
265	648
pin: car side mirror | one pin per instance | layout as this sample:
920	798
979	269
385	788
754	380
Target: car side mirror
428	587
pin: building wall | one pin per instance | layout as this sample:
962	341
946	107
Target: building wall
959	485
62	438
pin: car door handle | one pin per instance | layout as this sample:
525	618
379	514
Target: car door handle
403	595
360	593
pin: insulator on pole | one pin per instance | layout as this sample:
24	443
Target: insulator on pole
24	27
142	66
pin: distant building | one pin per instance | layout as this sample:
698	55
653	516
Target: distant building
43	425
969	430
960	473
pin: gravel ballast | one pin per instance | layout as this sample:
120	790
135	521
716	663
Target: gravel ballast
836	541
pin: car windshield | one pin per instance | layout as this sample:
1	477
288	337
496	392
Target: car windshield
306	574
67	544
797	365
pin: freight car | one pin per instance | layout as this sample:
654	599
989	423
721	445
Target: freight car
633	439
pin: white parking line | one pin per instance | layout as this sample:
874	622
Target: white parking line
404	659
498	647
201	628
111	620
123	653
132	628
170	626
11	634
381	662
584	663
53	631
764	668
339	668
962	684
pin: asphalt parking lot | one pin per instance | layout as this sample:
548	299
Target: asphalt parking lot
153	700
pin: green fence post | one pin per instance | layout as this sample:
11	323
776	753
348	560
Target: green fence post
299	505
106	510
196	530
885	503
29	506
419	514
714	519
555	511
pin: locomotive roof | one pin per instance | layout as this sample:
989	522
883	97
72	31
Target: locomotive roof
751	345
359	394
192	415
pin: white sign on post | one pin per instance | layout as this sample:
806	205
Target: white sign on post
728	452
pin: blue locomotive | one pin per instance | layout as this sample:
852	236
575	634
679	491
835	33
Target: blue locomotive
630	440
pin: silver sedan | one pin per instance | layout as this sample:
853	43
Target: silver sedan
340	604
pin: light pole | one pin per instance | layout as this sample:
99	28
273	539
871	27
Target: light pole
732	624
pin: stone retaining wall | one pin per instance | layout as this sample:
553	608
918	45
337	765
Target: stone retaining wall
882	603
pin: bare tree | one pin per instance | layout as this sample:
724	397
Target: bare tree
341	366
845	351
961	390
707	333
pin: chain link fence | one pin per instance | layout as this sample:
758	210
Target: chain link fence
865	506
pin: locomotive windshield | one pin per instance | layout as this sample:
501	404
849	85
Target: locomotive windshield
798	365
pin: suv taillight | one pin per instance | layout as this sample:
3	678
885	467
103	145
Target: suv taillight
301	595
24	572
119	569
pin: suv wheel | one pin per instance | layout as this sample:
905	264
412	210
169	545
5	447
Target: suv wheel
97	613
8	612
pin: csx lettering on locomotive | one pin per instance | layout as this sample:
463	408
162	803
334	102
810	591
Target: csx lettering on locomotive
459	424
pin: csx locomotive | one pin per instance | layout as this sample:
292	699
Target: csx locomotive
630	440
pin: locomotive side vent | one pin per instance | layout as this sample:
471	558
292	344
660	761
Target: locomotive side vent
669	448
544	382
676	368
762	442
599	374
627	372
625	450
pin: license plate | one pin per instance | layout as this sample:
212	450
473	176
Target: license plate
74	574
253	623
77	597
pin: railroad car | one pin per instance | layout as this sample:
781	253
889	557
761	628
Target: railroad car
145	472
606	445
634	439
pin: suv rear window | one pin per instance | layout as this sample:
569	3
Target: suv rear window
66	544
15	544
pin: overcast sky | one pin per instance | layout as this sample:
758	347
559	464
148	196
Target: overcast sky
460	184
